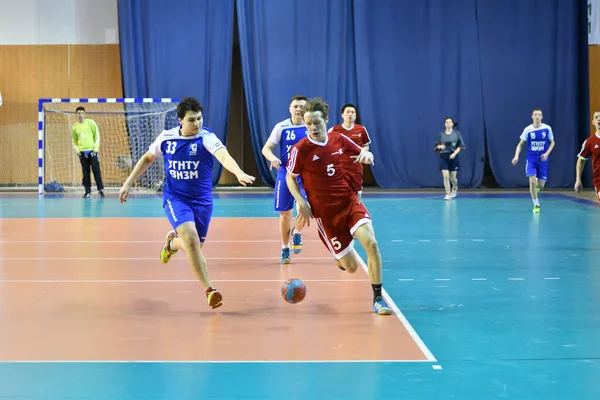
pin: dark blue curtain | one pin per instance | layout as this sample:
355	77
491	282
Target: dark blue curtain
179	48
418	63
533	55
288	48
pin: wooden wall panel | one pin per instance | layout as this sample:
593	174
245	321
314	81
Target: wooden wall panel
30	72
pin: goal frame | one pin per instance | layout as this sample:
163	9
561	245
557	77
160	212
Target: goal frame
75	100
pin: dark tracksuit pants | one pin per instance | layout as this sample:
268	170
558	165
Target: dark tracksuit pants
87	161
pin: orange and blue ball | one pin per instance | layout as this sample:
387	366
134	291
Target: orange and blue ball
293	290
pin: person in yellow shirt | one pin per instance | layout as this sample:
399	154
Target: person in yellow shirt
86	141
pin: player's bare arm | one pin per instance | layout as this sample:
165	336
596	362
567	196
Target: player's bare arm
223	156
578	171
455	153
515	159
365	157
267	152
304	212
544	156
140	167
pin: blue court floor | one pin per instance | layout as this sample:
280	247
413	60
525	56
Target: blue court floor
504	299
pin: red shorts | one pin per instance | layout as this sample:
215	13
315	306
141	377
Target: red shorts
336	232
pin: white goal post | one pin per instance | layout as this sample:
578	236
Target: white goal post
127	127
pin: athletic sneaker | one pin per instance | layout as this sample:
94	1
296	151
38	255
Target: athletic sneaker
297	242
166	253
381	307
214	298
286	257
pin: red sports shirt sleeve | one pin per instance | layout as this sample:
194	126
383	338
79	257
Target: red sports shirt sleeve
585	150
294	165
367	138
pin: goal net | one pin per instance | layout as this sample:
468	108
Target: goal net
127	128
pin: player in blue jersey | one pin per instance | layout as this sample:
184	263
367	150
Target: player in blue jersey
540	141
188	153
286	134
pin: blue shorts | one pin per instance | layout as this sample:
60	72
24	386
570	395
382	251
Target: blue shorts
179	211
284	201
447	164
537	168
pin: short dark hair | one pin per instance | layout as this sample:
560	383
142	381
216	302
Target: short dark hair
80	108
299	97
349	105
317	104
188	104
537	109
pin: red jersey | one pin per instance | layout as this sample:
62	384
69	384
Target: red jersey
359	135
321	167
591	147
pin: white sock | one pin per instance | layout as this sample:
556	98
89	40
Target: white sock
285	246
536	202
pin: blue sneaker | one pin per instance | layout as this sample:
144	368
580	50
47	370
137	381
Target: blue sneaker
286	257
381	307
297	243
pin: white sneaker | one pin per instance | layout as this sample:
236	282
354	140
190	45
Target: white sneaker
454	191
447	197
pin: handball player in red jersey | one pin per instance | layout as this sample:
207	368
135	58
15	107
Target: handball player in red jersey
332	201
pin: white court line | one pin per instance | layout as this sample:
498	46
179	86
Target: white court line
473	279
150	258
411	331
164	280
144	241
203	362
